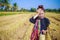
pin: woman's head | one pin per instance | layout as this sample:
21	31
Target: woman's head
40	11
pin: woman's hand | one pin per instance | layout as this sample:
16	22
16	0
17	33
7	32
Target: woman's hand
35	16
44	31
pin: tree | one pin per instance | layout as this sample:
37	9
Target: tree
1	5
24	10
5	3
33	9
59	10
15	7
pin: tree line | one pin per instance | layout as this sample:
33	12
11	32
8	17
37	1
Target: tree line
5	5
34	10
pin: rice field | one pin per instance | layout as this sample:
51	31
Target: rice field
18	27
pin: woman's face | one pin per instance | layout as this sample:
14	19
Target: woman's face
40	13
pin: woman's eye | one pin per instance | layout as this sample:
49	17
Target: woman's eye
40	13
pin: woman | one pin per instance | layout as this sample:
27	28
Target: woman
44	22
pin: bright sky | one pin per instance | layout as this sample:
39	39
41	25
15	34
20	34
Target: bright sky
27	4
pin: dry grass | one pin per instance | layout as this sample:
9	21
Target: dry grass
18	27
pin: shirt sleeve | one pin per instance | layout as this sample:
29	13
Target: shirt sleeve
32	20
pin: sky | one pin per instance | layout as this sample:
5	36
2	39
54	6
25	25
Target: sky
27	4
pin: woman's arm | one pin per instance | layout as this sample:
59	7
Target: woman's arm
33	19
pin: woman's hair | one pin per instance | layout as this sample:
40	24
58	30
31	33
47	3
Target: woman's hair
41	7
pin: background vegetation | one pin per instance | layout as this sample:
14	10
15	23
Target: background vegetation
5	5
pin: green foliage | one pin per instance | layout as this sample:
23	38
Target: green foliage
4	3
53	10
6	6
24	10
15	7
8	13
33	9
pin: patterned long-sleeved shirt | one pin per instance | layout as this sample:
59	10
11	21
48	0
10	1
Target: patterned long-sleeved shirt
44	22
